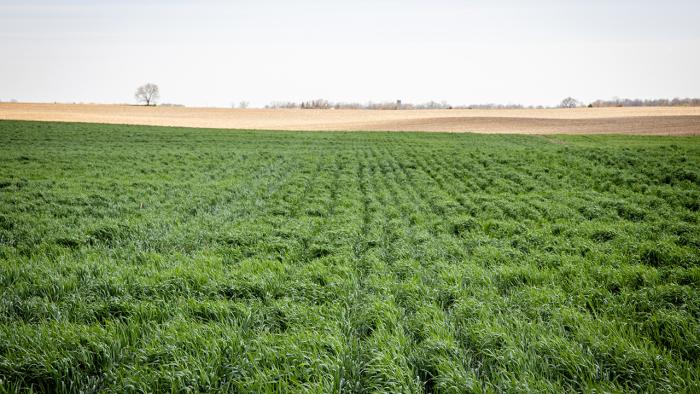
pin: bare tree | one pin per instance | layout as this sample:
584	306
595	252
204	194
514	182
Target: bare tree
569	102
147	94
243	104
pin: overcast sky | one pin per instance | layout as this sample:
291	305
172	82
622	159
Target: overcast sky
213	53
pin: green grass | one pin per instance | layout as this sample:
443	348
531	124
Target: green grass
168	259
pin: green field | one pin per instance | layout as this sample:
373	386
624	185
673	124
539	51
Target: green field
167	259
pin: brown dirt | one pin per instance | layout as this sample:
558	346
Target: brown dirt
656	120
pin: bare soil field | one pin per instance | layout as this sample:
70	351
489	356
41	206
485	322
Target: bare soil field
653	120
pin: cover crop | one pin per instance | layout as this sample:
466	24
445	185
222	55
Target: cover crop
157	259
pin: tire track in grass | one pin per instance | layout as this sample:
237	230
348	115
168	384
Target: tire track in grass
303	280
359	244
348	378
418	187
439	364
405	196
439	199
468	350
347	369
268	178
435	171
303	224
418	195
490	364
517	164
388	200
316	209
418	190
386	365
370	351
255	232
524	189
453	327
159	284
269	181
407	308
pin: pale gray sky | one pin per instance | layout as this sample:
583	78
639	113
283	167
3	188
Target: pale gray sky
213	53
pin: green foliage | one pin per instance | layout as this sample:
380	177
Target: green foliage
150	259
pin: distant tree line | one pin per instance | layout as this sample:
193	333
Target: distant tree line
325	104
388	105
500	106
568	102
571	102
150	93
625	102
